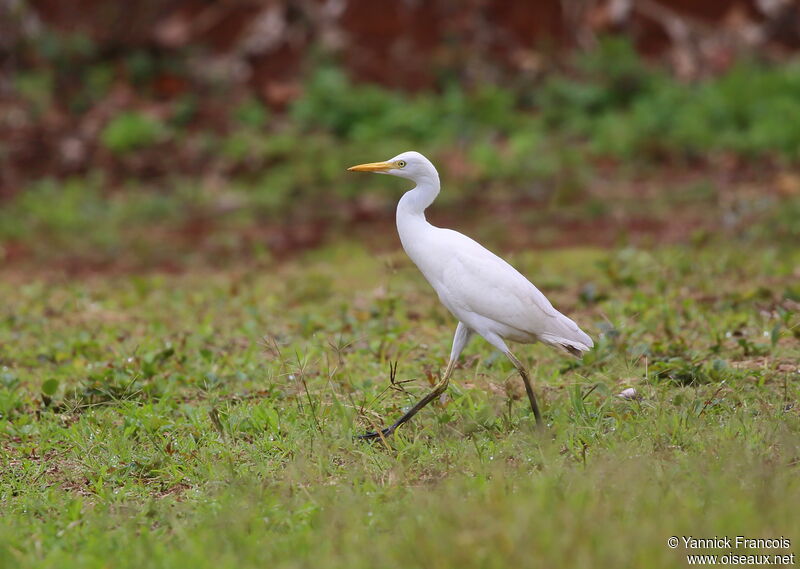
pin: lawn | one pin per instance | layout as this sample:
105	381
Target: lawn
205	418
200	310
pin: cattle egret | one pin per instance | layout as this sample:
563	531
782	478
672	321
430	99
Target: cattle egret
488	296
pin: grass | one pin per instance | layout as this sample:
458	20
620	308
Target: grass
77	224
202	413
206	418
158	172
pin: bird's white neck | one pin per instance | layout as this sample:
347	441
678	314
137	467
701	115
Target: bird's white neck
411	222
415	201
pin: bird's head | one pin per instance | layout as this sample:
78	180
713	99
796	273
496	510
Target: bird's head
411	165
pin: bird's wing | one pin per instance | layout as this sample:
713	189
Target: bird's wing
475	279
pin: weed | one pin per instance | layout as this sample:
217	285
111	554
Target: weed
143	421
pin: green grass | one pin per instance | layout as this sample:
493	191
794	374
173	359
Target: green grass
562	137
204	416
206	419
607	138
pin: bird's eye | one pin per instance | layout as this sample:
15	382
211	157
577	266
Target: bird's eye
401	163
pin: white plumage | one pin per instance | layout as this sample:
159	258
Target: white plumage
486	294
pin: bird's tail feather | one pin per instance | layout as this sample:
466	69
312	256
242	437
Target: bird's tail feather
574	347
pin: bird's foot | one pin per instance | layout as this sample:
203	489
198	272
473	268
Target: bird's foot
377	435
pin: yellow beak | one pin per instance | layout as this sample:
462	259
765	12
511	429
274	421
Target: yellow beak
373	167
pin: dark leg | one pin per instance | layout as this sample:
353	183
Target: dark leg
531	397
437	391
460	340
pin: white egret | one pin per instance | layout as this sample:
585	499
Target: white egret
488	296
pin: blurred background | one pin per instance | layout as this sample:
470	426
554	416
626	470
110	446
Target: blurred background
163	134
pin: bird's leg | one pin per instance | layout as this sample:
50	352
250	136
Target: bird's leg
528	388
438	389
461	337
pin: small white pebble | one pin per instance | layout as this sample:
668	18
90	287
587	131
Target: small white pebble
629	393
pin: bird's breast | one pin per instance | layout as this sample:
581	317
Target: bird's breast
423	250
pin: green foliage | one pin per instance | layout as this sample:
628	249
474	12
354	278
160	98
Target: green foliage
743	111
207	419
141	66
75	217
63	49
184	110
251	113
617	105
366	113
786	223
496	146
36	88
130	131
